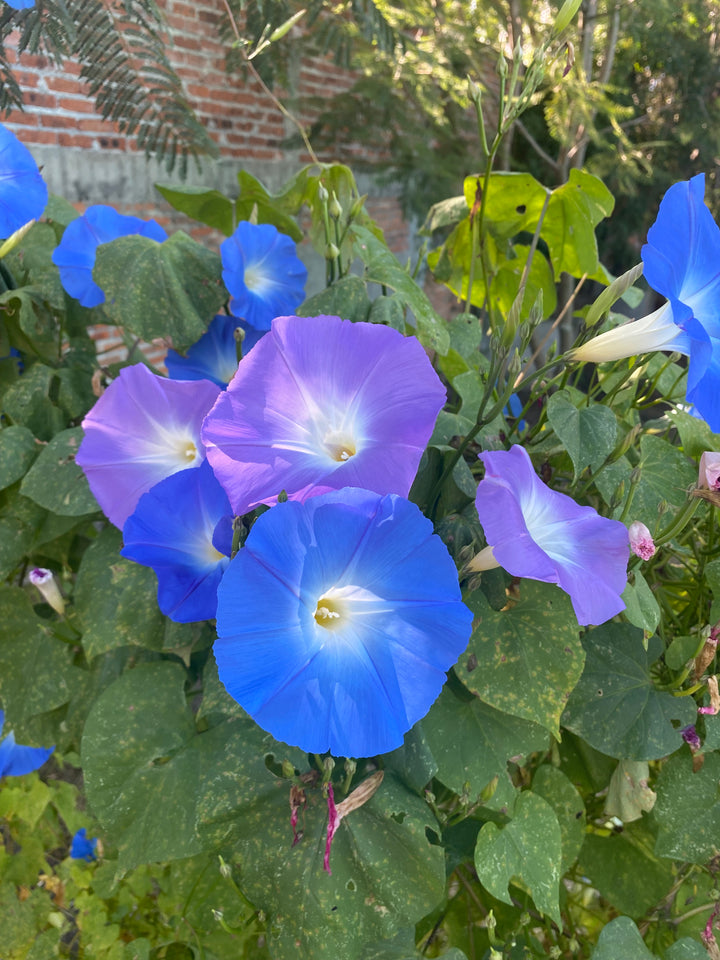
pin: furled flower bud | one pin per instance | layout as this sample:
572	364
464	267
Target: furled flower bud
45	582
709	478
691	738
641	541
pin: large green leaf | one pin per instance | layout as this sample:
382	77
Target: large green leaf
553	786
347	298
171	289
620	940
116	599
147	769
381	266
36	673
18	449
255	200
201	203
472	743
27	402
616	863
574	210
529	848
665	475
616	707
525	660
687	809
588	433
385	873
513	202
56	482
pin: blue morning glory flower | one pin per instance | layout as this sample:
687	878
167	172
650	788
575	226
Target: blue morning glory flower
214	356
23	194
182	528
338	620
20	4
75	255
15	761
535	532
681	262
83	848
263	274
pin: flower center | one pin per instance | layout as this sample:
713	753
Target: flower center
330	613
186	451
339	445
255	279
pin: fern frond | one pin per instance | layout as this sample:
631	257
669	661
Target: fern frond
121	48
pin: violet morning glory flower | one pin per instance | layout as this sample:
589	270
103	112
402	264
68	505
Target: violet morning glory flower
75	255
322	403
16	761
338	620
23	194
536	532
681	262
182	528
263	273
142	429
214	356
83	847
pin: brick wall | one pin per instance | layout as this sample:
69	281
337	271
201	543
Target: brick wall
88	160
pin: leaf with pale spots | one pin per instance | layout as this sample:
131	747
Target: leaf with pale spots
56	482
528	850
524	660
615	706
687	809
472	744
621	938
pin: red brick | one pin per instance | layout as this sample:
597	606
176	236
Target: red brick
77	105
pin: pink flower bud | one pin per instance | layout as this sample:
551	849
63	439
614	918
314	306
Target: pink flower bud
709	478
641	541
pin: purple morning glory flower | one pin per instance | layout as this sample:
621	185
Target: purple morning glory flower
214	356
535	532
16	761
75	255
142	429
23	194
182	528
263	273
322	403
680	258
83	848
338	620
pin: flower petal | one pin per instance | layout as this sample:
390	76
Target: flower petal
356	683
321	403
263	273
539	533
173	531
142	429
214	356
16	760
23	193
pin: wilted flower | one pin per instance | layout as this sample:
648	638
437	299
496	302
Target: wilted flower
263	273
709	478
83	848
641	541
323	403
536	532
680	259
44	581
691	738
142	429
75	255
23	194
182	528
338	620
214	356
16	761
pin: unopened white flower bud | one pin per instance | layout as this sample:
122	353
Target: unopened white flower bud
45	582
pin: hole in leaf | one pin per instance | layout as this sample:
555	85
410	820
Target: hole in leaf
398	817
350	885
